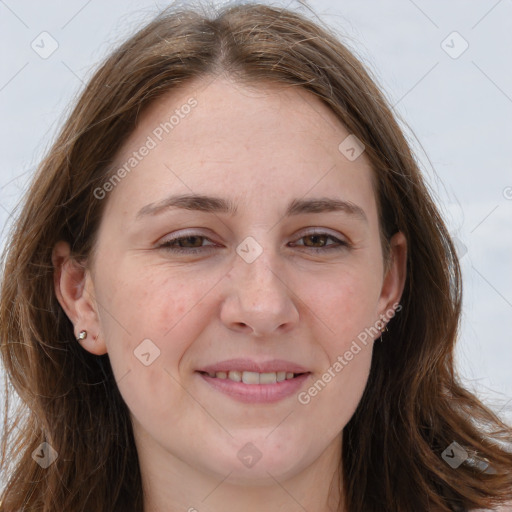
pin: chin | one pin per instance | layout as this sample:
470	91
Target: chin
253	459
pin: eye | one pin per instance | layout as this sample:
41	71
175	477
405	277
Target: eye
319	237
192	243
189	244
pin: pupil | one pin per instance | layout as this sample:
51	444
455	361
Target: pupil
188	238
313	237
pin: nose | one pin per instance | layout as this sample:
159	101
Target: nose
259	300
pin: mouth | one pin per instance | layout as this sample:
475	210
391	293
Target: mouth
254	387
251	381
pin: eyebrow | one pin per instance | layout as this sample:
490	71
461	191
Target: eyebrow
210	204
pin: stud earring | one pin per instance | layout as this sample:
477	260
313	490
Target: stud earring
82	336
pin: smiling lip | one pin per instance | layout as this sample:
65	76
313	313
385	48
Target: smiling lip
256	393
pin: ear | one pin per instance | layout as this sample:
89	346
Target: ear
395	276
74	289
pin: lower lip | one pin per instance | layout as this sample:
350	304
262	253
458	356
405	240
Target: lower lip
257	393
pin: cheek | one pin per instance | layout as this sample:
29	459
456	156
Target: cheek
346	304
146	343
149	324
346	307
350	380
333	395
150	303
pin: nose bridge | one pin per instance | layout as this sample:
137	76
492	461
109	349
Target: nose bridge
257	266
258	296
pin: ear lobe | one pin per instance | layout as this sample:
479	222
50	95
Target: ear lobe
74	291
394	280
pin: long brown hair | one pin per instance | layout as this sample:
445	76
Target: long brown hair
414	405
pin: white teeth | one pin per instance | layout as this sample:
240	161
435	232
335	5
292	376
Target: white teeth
268	378
253	377
235	375
250	377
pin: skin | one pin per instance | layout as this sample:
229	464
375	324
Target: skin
260	147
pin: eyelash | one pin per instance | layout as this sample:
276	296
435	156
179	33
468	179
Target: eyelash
168	245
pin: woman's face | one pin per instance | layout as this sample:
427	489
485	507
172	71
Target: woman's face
287	281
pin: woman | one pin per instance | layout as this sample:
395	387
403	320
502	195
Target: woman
196	287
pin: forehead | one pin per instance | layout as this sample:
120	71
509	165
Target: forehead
266	142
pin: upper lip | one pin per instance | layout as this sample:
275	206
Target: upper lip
249	365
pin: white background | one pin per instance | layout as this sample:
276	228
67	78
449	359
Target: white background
459	111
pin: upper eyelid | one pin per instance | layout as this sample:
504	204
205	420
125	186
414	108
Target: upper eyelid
185	234
303	232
